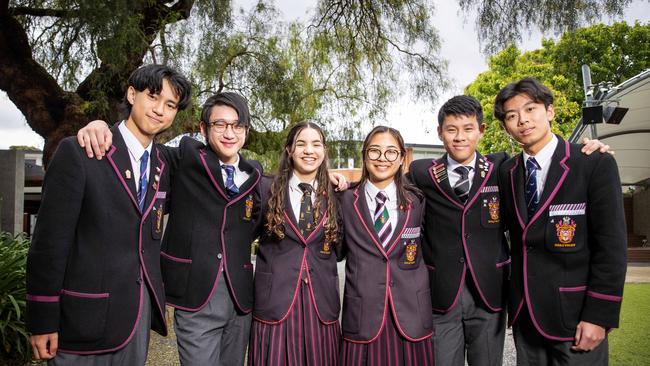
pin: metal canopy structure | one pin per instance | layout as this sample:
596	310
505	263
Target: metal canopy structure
631	139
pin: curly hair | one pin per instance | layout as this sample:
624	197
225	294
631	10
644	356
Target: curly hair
276	203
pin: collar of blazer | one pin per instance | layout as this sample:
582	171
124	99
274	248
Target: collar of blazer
482	171
361	206
557	172
290	221
210	162
118	158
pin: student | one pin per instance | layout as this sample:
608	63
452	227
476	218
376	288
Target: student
464	247
94	287
387	304
564	212
295	316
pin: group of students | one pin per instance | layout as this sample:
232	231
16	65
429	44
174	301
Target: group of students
429	270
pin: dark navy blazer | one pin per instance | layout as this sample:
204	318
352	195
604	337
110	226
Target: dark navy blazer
569	259
383	282
463	242
93	252
208	234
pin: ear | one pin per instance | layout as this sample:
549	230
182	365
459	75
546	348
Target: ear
550	112
440	132
130	95
204	129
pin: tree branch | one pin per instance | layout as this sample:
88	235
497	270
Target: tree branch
43	12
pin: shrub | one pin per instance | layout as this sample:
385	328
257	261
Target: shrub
13	260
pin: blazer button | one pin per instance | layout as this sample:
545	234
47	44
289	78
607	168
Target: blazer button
467	235
219	256
142	251
391	283
461	260
384	259
138	281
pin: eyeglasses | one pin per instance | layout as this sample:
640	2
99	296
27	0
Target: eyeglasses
221	125
375	154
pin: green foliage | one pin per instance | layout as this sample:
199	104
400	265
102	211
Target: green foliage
614	53
13	257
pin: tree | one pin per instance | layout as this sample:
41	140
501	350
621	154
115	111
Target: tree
614	54
64	62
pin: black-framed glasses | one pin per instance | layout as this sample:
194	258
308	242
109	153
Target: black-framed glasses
221	125
375	154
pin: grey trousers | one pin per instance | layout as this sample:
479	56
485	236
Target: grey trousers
134	353
469	327
533	349
214	335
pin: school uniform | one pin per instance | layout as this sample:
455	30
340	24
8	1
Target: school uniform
568	255
386	316
467	256
297	303
93	269
206	253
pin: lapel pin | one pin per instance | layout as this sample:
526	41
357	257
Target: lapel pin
127	174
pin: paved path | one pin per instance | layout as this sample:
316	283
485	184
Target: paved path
163	350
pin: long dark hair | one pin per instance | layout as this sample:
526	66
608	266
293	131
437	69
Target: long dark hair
275	213
401	182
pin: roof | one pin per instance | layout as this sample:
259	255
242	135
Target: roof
630	140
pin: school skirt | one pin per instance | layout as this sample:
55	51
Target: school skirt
388	349
301	339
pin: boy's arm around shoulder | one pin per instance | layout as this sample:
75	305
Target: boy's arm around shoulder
54	234
607	240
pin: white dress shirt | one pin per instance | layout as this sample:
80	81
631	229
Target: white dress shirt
543	157
391	202
453	176
295	194
135	153
239	177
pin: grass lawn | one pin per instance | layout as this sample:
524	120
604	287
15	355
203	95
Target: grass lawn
630	344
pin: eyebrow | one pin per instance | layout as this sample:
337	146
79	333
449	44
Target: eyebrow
389	146
525	104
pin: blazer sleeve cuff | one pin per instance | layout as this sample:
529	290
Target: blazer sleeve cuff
42	315
602	309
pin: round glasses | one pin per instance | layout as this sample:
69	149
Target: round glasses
220	126
375	154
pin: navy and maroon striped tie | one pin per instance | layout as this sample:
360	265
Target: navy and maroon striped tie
382	223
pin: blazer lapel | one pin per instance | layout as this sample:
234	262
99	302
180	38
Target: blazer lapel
156	169
438	173
210	162
292	221
557	173
361	209
517	183
118	158
482	172
402	219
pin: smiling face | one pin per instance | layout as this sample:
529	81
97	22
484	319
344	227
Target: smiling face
460	134
225	144
151	113
307	154
528	122
381	171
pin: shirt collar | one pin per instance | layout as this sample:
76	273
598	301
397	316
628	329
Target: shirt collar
132	144
453	164
294	181
544	156
390	190
235	164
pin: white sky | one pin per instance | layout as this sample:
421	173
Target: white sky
416	122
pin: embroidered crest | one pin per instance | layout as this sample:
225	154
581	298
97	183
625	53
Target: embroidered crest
326	248
159	215
411	252
493	209
565	231
248	207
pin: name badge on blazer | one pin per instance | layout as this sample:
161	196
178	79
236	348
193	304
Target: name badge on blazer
411	233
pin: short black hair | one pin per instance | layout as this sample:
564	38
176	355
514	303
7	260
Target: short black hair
537	91
151	77
230	99
461	105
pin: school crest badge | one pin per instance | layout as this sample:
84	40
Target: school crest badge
565	230
326	248
411	252
493	209
248	208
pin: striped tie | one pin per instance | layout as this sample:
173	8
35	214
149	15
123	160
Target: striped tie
231	187
142	191
461	188
306	216
532	197
382	224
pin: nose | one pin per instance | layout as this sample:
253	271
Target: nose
523	118
158	108
229	132
459	136
308	149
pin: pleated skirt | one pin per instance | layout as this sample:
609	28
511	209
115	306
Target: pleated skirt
389	349
301	339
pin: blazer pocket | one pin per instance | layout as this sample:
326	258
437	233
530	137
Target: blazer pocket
263	283
411	255
490	210
176	273
571	302
352	314
83	316
566	233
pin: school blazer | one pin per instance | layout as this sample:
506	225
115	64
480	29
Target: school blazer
283	264
208	234
569	259
93	253
383	282
463	242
